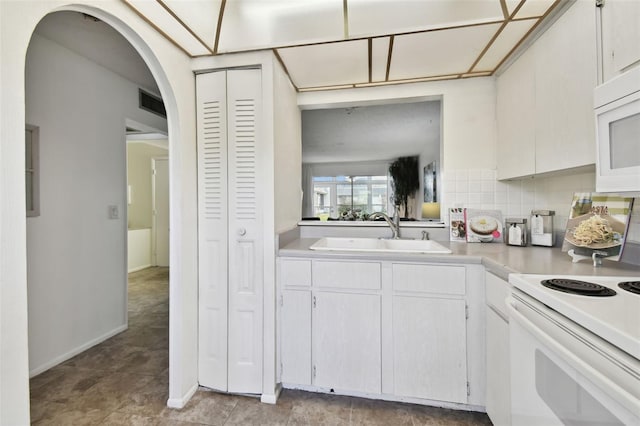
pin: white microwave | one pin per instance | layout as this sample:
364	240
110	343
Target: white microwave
617	108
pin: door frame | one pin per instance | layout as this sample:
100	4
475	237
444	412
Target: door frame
154	227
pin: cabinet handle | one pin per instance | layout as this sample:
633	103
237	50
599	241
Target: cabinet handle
314	301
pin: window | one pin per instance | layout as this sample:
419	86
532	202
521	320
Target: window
32	171
334	195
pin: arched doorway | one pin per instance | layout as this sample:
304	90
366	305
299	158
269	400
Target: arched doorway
89	299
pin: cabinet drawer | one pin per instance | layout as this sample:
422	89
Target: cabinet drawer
295	272
354	275
429	279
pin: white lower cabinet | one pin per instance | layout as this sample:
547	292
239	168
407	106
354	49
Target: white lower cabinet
429	348
346	341
398	330
296	336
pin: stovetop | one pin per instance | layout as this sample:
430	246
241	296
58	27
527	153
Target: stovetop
614	318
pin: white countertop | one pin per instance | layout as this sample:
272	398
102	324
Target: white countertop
499	259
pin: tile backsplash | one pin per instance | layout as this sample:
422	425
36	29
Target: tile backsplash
479	189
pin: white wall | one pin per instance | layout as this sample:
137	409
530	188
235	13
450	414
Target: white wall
171	69
138	249
288	153
468	114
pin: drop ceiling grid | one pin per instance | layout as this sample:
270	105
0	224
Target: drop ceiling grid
428	39
327	64
534	8
367	18
251	25
198	15
167	24
439	52
502	45
379	56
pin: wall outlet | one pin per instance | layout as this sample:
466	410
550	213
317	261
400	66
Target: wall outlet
113	212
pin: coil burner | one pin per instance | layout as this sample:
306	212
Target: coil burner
630	286
582	288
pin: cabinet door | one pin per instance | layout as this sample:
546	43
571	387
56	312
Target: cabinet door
296	337
212	229
429	348
620	35
565	78
245	232
516	127
346	341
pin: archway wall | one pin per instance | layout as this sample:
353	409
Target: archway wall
172	71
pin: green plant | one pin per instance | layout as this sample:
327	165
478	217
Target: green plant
406	181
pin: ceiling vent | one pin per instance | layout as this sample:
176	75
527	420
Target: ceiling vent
151	103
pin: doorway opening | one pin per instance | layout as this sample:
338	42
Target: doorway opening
82	81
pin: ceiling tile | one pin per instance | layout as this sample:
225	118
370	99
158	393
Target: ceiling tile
438	52
508	38
534	8
200	15
255	24
379	56
155	13
371	17
327	64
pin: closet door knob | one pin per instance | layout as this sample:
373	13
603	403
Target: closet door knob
242	231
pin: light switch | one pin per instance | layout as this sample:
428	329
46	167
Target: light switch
113	212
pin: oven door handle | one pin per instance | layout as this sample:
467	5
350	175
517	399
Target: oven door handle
517	312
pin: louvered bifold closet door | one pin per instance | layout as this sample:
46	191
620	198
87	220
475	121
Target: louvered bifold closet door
245	231
212	229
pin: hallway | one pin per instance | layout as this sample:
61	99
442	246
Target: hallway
124	381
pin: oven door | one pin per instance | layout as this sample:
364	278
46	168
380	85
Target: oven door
563	375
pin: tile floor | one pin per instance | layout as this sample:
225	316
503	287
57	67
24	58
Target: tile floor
124	381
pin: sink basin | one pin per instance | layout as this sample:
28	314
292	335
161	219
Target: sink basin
380	245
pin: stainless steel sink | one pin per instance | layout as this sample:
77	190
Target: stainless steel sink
380	245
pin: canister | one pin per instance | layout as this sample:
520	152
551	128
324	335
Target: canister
516	232
542	228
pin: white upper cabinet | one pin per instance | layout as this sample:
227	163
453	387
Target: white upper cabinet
545	100
516	101
620	36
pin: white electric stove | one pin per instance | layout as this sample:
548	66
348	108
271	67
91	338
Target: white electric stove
575	358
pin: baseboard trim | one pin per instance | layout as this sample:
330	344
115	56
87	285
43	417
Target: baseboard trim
139	268
385	397
181	402
271	399
64	357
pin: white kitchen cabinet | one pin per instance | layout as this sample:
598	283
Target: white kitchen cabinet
620	35
429	332
545	100
296	336
498	357
294	277
346	341
429	348
401	330
230	234
516	101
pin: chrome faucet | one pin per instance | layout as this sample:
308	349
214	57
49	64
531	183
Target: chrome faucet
394	223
